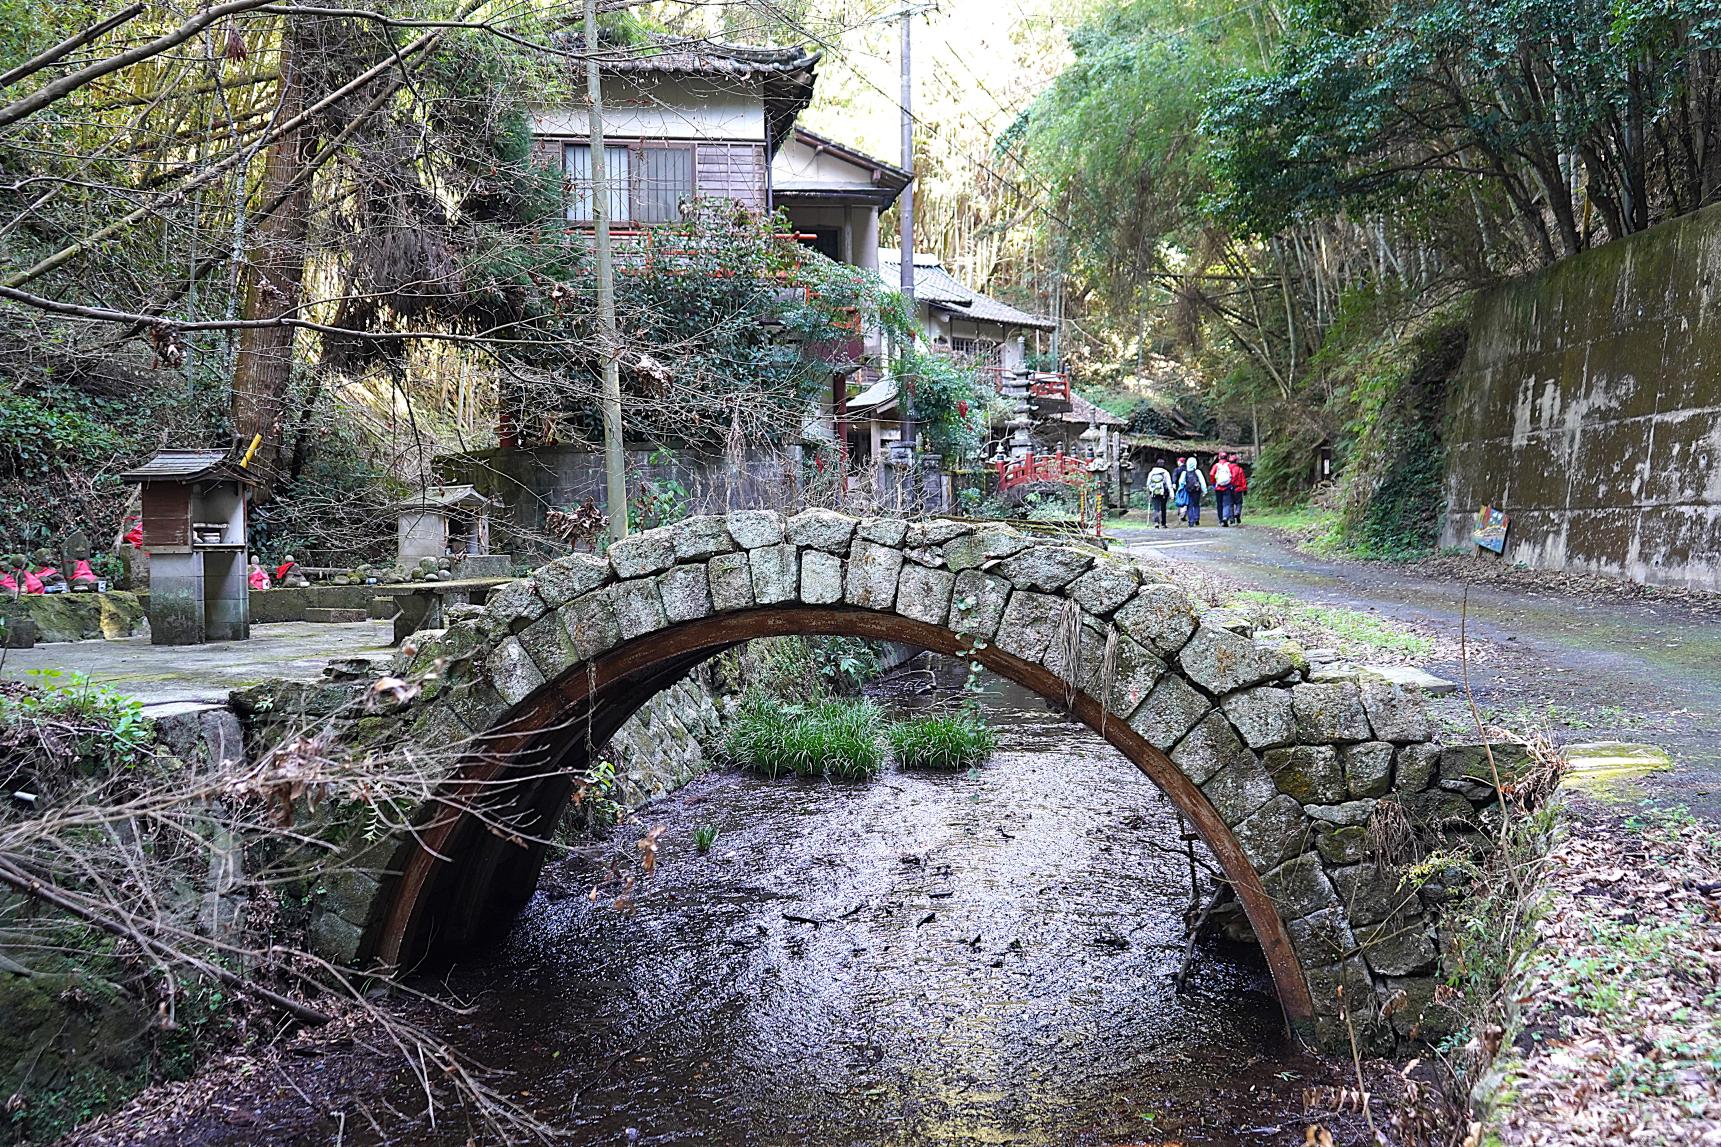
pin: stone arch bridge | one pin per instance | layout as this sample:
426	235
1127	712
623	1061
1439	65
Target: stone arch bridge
1292	785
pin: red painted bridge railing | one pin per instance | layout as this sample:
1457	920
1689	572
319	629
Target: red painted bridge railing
1058	467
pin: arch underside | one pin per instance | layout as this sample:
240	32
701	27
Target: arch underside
459	880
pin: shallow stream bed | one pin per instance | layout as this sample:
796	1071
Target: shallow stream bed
979	958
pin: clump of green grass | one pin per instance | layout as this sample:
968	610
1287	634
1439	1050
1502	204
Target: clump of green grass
704	836
836	738
953	741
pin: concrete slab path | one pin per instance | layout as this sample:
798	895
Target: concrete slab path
176	678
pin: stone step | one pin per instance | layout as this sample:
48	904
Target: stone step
329	615
1411	676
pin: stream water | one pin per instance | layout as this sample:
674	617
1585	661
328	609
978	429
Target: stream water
983	958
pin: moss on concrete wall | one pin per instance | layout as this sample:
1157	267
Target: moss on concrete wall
1589	409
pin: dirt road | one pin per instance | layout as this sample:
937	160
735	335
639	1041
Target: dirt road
1588	669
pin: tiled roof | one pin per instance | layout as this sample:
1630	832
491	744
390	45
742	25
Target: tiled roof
814	139
177	465
885	180
1081	410
785	74
689	57
448	497
881	395
935	285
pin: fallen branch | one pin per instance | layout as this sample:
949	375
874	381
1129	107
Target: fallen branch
1219	896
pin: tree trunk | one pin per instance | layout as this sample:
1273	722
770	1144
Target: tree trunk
274	277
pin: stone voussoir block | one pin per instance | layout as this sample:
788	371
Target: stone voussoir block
566	578
686	592
822	530
924	594
731	578
639	607
821	577
476	703
1134	673
1045	568
870	581
591	622
440	729
1030	624
1209	747
1274	833
935	532
776	573
512	671
987	544
1105	587
1171	710
977	604
696	539
549	645
1088	651
751	529
643	554
1222	662
512	607
1160	616
1240	788
883	531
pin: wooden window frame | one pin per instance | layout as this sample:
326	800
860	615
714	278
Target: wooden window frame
634	147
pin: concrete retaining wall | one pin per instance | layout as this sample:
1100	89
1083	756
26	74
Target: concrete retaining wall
1589	409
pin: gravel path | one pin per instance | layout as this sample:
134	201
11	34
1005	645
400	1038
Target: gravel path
1562	654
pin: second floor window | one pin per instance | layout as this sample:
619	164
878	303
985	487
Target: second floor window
648	182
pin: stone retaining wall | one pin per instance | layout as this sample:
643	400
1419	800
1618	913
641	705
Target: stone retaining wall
672	739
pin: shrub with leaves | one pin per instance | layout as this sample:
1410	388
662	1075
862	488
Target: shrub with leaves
950	741
834	738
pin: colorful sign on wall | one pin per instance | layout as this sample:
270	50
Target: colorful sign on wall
1490	532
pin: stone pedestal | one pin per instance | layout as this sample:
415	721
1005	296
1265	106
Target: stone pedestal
199	597
176	600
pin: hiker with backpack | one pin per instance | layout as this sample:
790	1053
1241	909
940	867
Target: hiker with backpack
1190	488
1224	475
1239	486
1159	490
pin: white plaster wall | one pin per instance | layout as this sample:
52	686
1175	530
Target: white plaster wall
798	165
667	108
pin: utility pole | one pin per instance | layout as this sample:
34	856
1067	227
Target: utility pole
905	219
615	465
